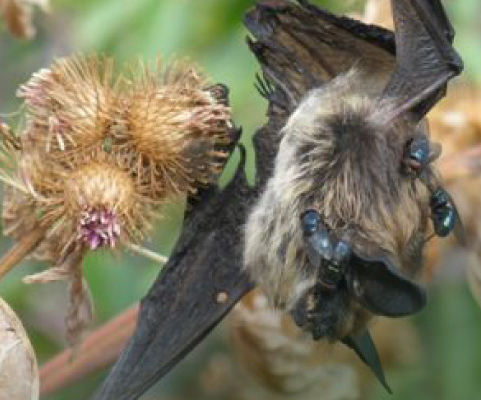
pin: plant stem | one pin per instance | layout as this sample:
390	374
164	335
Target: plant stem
19	250
152	255
97	351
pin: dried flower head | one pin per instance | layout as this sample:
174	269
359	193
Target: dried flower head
88	203
97	157
70	105
58	211
174	128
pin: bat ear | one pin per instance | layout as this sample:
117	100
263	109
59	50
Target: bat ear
378	286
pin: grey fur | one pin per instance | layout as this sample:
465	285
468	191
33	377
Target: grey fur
339	155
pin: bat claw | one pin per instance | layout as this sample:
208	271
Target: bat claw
364	347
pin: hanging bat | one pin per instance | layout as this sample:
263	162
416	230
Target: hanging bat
337	236
303	51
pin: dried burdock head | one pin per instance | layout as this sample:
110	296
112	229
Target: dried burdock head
98	156
83	203
166	123
172	129
89	205
69	106
59	211
17	15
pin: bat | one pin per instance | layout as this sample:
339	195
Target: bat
337	235
300	47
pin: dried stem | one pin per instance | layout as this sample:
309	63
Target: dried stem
98	350
152	255
21	249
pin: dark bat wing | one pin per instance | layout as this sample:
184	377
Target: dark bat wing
201	282
438	14
377	285
425	58
301	46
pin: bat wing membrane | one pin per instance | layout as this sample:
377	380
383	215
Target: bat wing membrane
425	58
302	46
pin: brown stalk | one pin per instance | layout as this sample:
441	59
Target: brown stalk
98	350
20	250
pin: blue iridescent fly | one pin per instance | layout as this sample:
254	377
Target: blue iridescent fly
444	214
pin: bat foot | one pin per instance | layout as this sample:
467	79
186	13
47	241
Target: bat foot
318	312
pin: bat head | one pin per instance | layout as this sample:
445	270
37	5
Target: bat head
341	157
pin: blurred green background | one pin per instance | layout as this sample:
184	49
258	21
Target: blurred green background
210	32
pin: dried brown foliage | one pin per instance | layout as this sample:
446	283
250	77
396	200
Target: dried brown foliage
98	156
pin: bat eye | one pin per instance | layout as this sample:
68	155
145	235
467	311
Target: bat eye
416	155
310	221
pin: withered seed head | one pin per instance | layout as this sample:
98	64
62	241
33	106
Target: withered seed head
90	202
166	123
69	105
100	197
173	128
99	154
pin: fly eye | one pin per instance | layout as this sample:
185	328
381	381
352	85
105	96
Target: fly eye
310	222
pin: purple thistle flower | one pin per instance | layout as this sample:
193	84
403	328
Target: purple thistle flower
98	228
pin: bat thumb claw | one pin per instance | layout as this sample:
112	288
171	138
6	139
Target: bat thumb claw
365	348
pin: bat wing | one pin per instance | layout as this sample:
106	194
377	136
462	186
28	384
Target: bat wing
301	46
425	58
201	282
